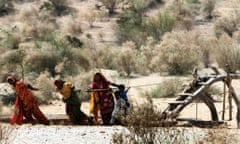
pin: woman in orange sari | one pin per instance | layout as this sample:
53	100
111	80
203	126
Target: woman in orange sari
26	104
101	98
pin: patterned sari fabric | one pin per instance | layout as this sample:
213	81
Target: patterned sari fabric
106	100
27	106
94	106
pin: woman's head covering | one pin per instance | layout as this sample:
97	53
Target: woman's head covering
56	82
98	73
11	78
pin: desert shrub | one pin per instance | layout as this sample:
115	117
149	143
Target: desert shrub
145	55
177	53
56	7
226	25
100	57
106	58
168	88
12	41
207	8
132	26
227	52
56	51
6	6
45	83
141	130
183	14
207	50
129	26
126	60
14	59
111	5
39	61
36	25
157	26
147	110
72	63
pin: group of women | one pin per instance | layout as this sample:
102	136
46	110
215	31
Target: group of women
101	101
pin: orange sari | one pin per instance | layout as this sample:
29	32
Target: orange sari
28	104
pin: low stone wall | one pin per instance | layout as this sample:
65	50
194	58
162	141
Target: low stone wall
40	134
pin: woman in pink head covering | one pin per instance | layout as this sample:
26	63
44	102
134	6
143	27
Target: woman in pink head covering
26	104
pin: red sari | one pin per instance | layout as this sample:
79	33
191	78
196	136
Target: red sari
27	104
106	100
17	117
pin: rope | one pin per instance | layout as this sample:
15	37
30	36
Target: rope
146	85
109	89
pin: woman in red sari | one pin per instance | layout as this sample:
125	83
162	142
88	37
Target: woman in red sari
26	104
101	98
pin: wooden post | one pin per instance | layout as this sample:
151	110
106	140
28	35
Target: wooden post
224	99
230	99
